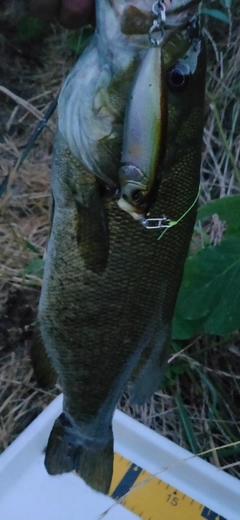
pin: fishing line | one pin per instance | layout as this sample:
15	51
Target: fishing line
164	222
175	222
179	463
5	184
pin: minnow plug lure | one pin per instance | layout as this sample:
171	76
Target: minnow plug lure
145	127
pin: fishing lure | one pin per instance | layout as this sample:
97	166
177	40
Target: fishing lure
145	127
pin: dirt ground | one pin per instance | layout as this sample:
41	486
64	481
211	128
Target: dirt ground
31	75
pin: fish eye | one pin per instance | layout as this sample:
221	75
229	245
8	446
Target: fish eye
178	76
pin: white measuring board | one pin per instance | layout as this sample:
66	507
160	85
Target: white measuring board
190	489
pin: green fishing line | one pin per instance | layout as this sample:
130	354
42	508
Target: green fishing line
175	222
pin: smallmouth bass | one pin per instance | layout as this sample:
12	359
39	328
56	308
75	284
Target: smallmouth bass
110	286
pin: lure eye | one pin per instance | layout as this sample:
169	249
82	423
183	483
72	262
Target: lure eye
138	197
178	76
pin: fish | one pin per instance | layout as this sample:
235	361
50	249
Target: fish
110	285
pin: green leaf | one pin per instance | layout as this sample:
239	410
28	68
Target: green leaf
32	247
215	13
186	329
210	289
186	424
178	368
35	267
227	208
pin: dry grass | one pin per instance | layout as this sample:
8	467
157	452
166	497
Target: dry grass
35	77
206	373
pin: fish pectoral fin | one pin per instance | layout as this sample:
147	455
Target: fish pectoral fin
92	231
63	455
152	366
42	367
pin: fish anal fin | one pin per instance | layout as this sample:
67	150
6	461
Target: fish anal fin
152	367
43	369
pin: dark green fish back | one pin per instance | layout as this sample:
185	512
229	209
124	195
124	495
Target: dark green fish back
100	320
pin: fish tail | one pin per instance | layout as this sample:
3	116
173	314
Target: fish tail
93	465
42	366
96	467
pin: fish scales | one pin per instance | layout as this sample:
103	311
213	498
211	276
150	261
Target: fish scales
110	285
125	312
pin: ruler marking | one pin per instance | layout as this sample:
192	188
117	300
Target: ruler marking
127	481
147	502
208	514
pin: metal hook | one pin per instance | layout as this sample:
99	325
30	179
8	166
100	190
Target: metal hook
159	11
